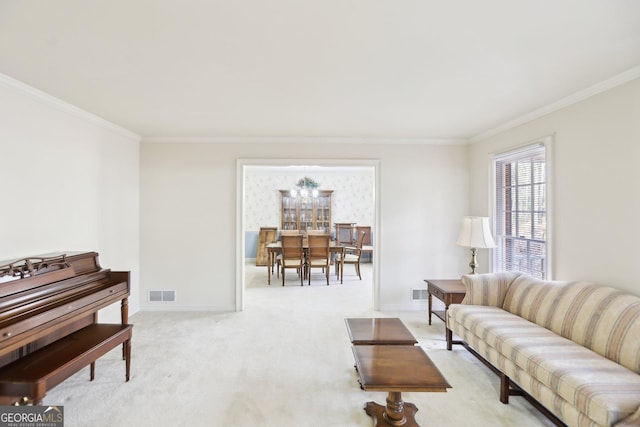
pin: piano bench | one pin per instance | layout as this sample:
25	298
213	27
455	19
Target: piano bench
32	375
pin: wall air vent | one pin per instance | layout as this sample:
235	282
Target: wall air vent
419	294
162	296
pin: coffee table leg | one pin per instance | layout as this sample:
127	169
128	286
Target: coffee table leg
396	413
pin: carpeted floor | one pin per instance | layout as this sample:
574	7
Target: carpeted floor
284	361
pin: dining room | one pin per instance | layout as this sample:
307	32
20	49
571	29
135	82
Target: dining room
337	200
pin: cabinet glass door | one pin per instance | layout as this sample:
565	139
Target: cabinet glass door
306	213
289	213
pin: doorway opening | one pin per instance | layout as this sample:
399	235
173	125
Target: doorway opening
312	167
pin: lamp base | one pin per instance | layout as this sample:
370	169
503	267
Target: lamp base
474	263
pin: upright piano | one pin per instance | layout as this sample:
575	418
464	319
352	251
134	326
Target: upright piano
49	325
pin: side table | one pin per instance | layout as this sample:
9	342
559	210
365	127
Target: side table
447	291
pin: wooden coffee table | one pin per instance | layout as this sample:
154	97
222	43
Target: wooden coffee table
379	331
394	369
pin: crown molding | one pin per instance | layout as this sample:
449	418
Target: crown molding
77	112
65	107
298	140
581	95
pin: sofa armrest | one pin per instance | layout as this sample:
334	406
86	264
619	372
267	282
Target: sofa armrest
487	289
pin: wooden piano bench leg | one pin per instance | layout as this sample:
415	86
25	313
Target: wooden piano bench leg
92	370
38	391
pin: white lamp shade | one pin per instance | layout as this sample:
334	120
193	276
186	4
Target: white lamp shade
475	233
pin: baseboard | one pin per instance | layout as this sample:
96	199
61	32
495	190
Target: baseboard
411	306
173	308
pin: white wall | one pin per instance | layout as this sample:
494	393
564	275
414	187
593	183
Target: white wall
596	182
69	183
188	215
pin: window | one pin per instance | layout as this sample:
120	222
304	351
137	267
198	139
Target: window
521	218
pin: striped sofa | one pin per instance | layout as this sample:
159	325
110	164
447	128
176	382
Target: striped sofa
573	347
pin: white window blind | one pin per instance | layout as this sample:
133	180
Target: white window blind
521	211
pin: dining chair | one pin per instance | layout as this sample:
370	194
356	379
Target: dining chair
292	255
350	255
318	254
278	259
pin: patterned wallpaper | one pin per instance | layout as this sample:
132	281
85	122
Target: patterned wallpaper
352	199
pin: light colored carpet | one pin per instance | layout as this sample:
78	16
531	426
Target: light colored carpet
285	360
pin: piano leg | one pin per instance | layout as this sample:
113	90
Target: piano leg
124	311
124	318
127	348
92	370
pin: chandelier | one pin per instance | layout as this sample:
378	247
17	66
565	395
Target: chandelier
305	186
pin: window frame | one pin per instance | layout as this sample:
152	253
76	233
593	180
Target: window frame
545	143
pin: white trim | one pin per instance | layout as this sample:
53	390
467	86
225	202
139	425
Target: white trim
492	209
549	145
299	140
164	307
581	95
66	107
240	249
240	235
401	307
515	152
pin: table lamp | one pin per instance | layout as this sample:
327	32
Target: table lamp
475	233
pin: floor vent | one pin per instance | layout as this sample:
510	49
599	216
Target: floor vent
419	294
162	296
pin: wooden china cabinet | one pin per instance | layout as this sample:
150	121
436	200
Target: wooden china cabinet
306	213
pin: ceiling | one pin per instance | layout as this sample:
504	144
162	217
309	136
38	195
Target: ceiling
392	69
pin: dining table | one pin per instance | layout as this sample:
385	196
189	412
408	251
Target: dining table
274	248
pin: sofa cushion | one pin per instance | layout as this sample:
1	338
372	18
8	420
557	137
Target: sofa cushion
603	319
601	389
